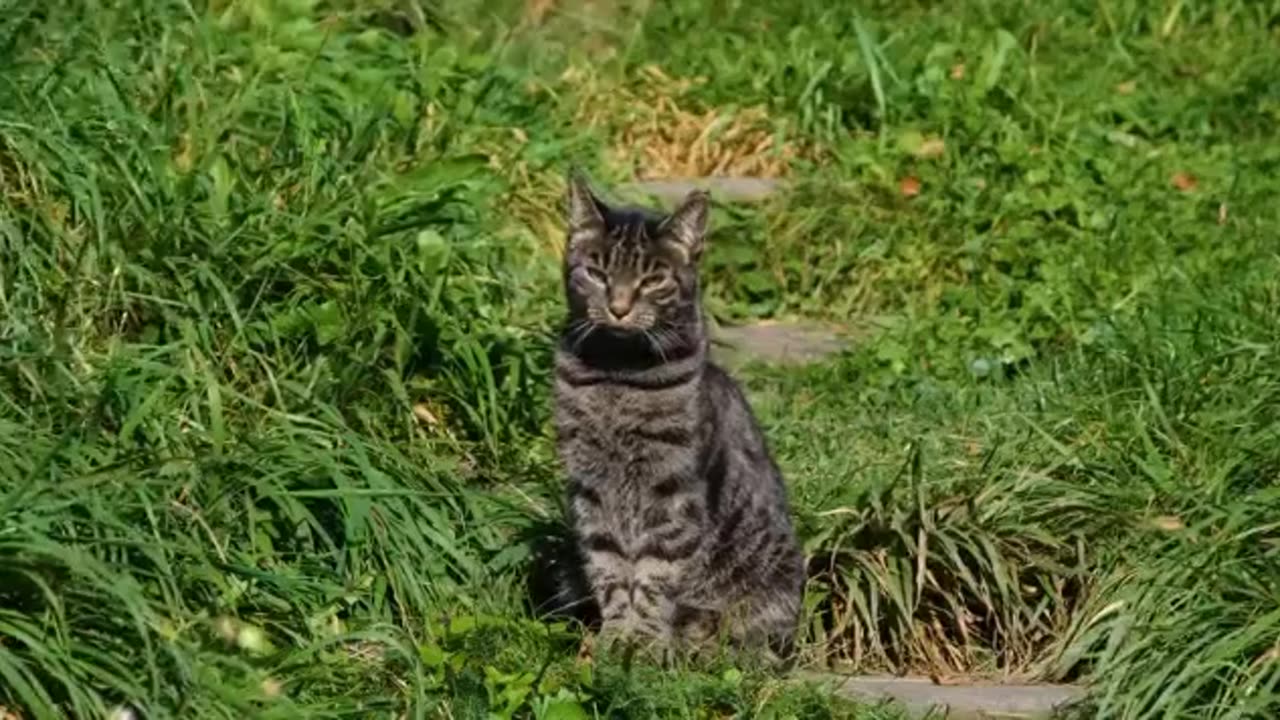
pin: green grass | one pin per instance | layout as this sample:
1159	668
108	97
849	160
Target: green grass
278	282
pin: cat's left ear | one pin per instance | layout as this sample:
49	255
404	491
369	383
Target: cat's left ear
687	224
585	210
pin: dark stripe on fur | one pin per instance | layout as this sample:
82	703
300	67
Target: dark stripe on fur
666	435
602	543
669	552
579	491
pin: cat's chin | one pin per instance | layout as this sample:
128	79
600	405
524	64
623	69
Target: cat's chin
623	332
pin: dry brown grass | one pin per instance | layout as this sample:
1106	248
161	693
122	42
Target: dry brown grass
18	185
659	130
655	127
536	11
535	201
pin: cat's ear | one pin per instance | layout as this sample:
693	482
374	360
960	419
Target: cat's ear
585	210
687	224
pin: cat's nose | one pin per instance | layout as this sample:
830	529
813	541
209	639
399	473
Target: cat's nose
620	304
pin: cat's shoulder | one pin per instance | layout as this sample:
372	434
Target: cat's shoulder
717	378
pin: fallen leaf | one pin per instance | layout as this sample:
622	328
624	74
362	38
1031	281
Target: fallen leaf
1222	213
1126	88
1123	138
226	627
909	186
425	416
1184	181
272	687
957	71
252	639
1167	522
931	148
1271	655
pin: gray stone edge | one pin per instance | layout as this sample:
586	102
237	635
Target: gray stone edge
921	697
727	189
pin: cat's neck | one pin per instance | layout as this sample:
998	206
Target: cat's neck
612	352
571	369
602	356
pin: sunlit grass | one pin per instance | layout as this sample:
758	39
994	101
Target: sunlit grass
278	283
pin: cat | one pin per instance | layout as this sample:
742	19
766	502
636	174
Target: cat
677	510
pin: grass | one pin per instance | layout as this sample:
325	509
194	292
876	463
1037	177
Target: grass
278	282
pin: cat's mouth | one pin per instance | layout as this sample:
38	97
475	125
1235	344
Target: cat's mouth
626	325
622	329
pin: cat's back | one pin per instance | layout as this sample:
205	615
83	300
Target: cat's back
734	417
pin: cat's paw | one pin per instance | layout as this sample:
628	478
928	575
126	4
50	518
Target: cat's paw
633	642
614	636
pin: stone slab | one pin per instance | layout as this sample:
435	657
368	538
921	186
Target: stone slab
670	191
791	343
921	697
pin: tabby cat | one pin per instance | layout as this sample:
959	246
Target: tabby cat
678	513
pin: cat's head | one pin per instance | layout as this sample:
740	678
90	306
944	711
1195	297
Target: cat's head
634	272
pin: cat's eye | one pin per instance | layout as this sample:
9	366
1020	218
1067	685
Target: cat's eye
652	282
596	274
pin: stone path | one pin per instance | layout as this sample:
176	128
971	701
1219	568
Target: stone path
776	342
921	697
723	189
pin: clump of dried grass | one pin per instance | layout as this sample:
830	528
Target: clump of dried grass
656	127
659	128
18	185
536	11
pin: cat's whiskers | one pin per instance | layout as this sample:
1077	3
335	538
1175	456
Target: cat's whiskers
579	332
655	342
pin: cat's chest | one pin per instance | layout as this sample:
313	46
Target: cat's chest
617	429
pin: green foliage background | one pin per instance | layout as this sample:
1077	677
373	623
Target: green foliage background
278	282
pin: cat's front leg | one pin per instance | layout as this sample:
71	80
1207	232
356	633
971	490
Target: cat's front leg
655	590
636	596
606	565
664	568
610	575
637	593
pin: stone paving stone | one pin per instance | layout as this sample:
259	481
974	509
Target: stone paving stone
723	189
973	701
791	343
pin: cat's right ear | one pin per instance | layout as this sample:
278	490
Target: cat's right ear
687	224
585	210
